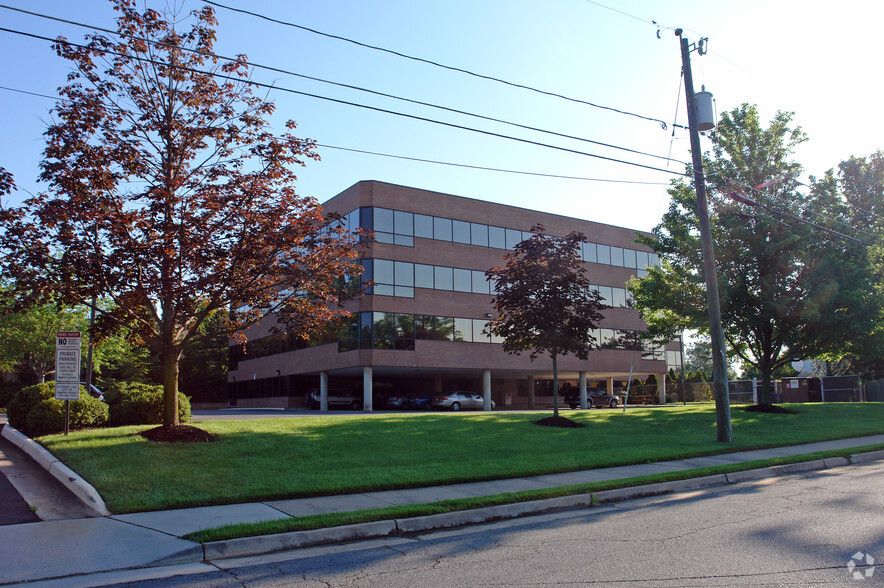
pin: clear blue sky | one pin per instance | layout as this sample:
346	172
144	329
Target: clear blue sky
784	55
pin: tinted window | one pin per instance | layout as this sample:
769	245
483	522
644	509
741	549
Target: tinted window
423	275
604	253
629	258
461	232
497	237
463	280
441	229
512	238
423	226
383	220
479	234
589	253
383	271
403	223
617	256
444	278
480	284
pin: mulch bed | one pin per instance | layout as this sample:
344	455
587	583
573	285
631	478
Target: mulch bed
558	422
179	434
769	408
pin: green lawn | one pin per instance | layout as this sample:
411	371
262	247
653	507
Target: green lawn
296	457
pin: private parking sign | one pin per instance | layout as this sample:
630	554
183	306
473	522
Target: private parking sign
67	365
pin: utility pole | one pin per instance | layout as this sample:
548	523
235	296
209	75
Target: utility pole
716	333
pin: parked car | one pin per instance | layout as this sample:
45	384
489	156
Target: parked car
339	398
398	401
421	401
459	400
593	398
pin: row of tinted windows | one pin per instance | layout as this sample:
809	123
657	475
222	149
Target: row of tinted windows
400	228
400	278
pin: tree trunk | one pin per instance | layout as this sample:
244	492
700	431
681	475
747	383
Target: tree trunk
765	396
170	387
555	387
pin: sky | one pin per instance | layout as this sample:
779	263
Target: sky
816	59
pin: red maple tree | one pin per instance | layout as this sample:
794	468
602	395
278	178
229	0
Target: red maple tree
170	197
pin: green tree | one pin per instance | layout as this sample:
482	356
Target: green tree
543	300
787	289
27	337
170	195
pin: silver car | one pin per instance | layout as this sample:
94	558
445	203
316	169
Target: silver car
459	400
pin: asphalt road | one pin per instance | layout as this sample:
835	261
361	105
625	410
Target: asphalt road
802	530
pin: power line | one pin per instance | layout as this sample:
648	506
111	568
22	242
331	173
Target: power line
435	63
354	104
353	87
494	169
418	159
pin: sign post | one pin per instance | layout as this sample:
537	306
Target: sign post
67	370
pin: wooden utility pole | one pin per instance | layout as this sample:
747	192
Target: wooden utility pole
716	333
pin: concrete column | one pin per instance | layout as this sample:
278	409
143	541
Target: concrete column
582	389
661	387
366	389
609	385
486	389
323	391
531	392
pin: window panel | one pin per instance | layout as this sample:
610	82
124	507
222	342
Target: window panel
463	329
403	223
479	234
366	217
642	259
463	280
383	271
444	278
383	220
478	335
617	256
404	240
404	273
589	253
654	259
443	328
423	226
441	229
604	254
382	290
423	275
513	237
480	284
497	237
403	291
629	258
607	294
405	325
461	232
384	238
619	298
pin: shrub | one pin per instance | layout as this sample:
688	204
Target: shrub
26	399
45	418
45	414
135	403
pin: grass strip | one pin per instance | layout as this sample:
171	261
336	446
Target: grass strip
282	458
322	521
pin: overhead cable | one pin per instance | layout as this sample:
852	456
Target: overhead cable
436	64
351	87
354	104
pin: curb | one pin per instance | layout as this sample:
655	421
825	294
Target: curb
80	487
266	544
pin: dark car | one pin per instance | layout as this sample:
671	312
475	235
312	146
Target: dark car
421	401
339	398
593	398
398	401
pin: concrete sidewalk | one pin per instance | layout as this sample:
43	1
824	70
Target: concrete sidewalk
64	548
